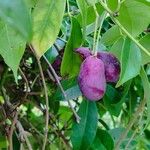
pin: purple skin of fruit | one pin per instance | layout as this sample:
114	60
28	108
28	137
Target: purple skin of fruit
91	78
84	52
112	66
111	63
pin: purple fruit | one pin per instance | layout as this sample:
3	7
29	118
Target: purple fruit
91	78
112	66
84	52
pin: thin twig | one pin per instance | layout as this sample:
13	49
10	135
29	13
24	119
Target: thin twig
23	134
26	81
135	131
130	124
64	94
46	97
50	75
34	81
131	138
12	130
53	125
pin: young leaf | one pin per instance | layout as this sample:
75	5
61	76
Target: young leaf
12	47
146	86
130	61
83	9
84	133
71	61
16	14
132	15
47	19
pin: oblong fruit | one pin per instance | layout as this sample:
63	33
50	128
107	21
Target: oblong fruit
91	78
112	66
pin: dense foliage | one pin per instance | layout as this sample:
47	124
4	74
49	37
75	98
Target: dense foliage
52	52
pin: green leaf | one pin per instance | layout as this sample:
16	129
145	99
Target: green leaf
102	141
47	19
83	9
71	89
91	16
112	4
16	14
130	61
110	36
91	2
145	41
116	48
134	16
146	86
113	100
84	133
64	114
71	61
12	47
3	142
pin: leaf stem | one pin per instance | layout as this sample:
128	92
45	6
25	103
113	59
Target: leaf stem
12	130
95	31
59	84
103	16
68	10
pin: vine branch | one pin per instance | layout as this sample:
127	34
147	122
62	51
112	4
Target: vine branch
63	92
46	97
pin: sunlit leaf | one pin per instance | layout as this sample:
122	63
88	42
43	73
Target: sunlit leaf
47	19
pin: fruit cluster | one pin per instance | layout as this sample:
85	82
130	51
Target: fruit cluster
95	71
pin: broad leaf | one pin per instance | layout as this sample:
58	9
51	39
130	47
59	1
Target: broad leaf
91	16
12	47
134	15
84	133
102	141
111	35
47	19
83	9
145	41
16	14
112	4
113	100
146	86
71	61
130	60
